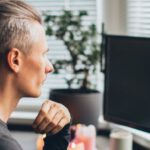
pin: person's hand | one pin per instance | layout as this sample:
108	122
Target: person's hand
51	118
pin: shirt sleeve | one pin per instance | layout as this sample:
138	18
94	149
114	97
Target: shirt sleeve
58	141
7	143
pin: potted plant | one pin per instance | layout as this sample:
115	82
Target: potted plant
82	44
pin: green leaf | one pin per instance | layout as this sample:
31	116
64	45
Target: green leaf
83	13
49	31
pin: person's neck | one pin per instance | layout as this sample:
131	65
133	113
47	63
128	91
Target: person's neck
8	100
7	106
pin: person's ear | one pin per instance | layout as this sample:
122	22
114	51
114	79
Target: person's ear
13	59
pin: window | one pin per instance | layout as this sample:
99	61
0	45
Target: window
28	107
138	17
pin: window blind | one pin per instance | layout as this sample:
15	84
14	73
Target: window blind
138	17
28	107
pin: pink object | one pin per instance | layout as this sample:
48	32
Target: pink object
88	142
86	135
76	146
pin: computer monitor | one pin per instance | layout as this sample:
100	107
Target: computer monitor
127	81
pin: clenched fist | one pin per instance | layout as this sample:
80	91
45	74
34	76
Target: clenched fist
51	118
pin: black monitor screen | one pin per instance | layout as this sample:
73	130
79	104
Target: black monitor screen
127	81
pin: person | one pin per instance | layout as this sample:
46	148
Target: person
23	69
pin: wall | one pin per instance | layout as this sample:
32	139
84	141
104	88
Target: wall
114	16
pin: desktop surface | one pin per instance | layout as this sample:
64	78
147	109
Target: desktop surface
27	140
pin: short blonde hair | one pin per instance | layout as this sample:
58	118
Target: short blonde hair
17	20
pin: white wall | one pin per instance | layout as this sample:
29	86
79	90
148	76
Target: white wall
114	16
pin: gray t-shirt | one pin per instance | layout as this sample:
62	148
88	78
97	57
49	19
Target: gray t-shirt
7	142
58	141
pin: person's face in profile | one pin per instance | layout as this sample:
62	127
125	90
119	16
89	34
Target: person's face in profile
35	66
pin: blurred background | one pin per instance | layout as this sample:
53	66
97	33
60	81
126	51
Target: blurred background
119	17
123	17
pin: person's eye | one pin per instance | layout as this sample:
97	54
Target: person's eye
45	54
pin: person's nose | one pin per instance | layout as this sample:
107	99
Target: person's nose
49	67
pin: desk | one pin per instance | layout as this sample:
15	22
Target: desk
28	141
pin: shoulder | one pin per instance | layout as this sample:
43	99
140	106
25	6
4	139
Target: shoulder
8	142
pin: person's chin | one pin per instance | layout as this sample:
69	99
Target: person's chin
35	94
37	91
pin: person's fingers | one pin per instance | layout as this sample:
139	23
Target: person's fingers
60	125
58	117
49	119
41	115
